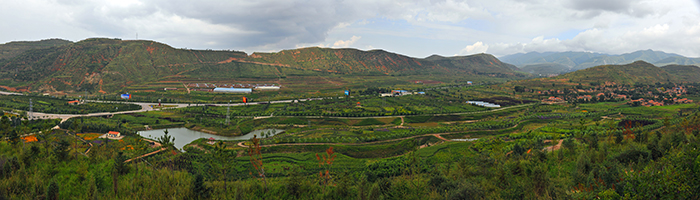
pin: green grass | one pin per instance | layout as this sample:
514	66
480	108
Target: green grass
369	122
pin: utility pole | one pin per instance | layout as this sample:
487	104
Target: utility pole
228	113
31	109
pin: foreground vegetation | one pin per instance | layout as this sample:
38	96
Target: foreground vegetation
412	147
45	104
603	155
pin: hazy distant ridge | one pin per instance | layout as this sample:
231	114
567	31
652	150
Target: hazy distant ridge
582	60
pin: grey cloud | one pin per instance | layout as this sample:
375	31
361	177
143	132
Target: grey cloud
593	8
265	24
282	23
608	5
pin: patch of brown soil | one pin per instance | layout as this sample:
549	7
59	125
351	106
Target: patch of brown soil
11	89
553	147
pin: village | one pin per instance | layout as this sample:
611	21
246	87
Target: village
638	96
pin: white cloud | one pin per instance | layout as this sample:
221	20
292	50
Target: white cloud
662	37
346	43
475	48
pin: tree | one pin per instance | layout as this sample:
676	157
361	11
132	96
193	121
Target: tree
256	158
223	159
200	190
119	164
325	161
52	191
61	149
166	140
569	144
13	136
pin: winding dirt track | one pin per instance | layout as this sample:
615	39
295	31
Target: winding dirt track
241	144
156	144
437	135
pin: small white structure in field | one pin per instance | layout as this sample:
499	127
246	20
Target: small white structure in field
484	104
267	88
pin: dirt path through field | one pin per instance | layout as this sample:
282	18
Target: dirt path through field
554	147
242	144
437	135
440	137
188	89
155	144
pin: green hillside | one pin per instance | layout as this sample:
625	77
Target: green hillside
344	61
353	61
110	65
102	65
545	68
635	72
485	64
12	49
685	73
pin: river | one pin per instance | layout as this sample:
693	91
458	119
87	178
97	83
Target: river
184	136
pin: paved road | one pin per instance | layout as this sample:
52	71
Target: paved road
9	93
146	107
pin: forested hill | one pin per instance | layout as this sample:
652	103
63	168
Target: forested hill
12	49
684	73
353	61
108	65
636	72
477	64
102	65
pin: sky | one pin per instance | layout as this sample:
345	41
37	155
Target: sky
416	28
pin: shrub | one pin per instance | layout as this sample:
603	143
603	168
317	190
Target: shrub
633	153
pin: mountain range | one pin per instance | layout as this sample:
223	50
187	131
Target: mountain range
630	74
562	62
108	65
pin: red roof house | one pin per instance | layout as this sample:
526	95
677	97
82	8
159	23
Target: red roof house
113	134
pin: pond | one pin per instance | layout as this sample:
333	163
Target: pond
184	136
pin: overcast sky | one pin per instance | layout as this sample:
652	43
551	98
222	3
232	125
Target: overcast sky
413	28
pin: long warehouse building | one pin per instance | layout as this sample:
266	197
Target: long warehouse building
233	90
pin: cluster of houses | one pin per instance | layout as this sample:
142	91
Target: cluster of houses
395	93
649	102
553	100
610	91
599	95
